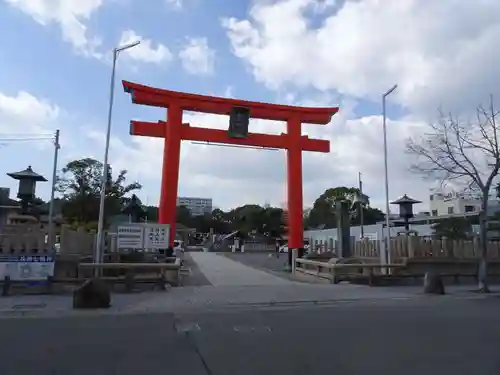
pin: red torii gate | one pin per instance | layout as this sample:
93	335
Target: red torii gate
174	131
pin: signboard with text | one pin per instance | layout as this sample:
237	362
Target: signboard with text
143	236
156	236
130	237
27	267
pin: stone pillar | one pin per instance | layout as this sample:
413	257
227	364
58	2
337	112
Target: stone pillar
343	229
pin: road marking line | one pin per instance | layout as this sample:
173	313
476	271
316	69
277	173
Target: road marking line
187	327
251	329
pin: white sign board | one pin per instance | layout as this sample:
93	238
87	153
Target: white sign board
130	237
156	236
28	268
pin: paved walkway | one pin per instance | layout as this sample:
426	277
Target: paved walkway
221	271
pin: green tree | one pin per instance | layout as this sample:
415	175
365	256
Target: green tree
217	220
152	213
371	215
202	223
220	222
453	228
80	186
117	192
245	218
183	216
273	222
254	218
322	214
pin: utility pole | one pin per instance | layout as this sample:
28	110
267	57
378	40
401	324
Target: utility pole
361	206
53	189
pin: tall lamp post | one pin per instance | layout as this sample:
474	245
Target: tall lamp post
362	201
387	220
116	51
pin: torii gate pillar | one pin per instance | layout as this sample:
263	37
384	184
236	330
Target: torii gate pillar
170	171
294	186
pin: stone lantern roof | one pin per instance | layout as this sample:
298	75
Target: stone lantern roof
27	174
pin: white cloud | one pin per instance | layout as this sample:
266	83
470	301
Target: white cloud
24	116
439	52
27	127
70	15
24	113
175	4
146	51
197	57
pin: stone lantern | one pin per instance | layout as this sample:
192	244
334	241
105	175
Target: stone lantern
27	186
405	204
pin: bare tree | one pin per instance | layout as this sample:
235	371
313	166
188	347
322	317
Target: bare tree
466	154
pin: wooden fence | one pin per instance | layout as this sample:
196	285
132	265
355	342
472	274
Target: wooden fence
77	242
416	247
24	239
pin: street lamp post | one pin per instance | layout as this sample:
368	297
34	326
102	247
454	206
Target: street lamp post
98	252
361	206
387	220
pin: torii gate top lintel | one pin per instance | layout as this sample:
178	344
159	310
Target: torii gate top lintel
146	95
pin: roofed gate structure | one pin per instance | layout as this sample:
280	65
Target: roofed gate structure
173	131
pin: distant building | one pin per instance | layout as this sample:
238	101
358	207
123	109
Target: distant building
457	204
197	206
452	203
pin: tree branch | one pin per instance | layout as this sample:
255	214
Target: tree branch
468	153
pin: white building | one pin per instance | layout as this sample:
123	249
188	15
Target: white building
197	206
452	203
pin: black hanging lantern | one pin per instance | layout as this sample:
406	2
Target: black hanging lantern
238	122
405	204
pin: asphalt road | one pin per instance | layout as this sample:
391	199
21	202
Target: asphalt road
412	338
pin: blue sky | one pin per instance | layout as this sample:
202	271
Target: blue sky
43	58
80	84
40	61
